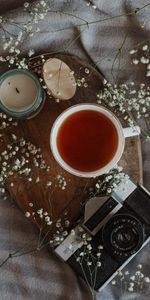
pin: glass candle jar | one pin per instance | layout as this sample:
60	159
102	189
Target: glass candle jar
21	94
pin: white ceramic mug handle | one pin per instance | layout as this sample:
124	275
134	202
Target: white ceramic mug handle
131	131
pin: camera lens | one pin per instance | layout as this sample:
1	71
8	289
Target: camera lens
123	235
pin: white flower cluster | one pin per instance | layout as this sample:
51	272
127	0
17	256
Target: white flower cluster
2	19
21	157
61	182
128	101
91	4
81	82
44	215
37	12
52	230
5	123
85	254
12	45
14	33
88	256
60	231
109	182
132	282
144	59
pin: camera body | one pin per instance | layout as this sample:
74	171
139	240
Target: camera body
111	232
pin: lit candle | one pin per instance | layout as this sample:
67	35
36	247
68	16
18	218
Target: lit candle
59	79
21	94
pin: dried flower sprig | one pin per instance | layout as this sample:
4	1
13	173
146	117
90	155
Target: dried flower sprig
36	12
88	257
141	56
12	42
135	282
52	231
108	182
20	157
130	102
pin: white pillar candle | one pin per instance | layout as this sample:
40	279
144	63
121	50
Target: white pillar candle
18	92
59	79
21	95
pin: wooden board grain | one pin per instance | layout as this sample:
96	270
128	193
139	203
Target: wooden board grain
55	200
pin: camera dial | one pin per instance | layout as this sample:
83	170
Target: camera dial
123	235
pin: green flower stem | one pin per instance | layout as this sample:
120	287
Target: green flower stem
24	253
132	13
7	258
118	54
69	14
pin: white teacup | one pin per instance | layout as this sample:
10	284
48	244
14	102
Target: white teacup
122	133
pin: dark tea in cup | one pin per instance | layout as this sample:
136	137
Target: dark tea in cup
87	140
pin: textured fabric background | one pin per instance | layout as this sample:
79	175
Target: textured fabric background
42	275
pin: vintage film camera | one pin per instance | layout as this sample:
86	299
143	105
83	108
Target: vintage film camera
120	224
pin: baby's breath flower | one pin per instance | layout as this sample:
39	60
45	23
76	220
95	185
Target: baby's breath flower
133	51
132	277
78	259
31	52
27	214
43	3
138	273
130	289
49	223
135	61
100	247
145	47
47	219
144	60
127	101
1	19
88	3
139	266
147	279
26	4
127	273
109	190
148	73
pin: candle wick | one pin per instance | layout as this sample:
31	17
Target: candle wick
17	90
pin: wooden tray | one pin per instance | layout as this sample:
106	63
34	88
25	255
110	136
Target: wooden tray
54	199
